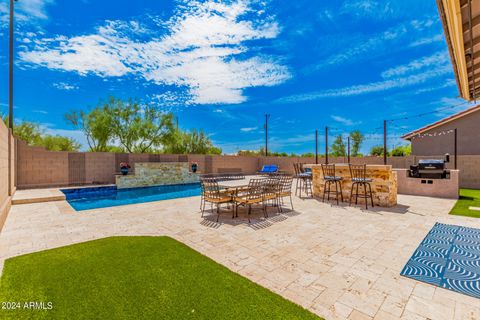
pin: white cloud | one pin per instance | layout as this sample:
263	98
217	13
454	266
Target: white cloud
64	86
202	52
367	46
40	111
446	84
448	106
427	40
368	8
34	8
436	60
344	121
372	87
248	129
26	10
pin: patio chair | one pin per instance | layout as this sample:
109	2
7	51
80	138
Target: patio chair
271	192
330	178
268	169
285	189
255	194
358	172
212	194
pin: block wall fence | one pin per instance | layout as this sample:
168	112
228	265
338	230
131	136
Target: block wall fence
7	171
37	167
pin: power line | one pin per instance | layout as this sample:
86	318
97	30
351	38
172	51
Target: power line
429	112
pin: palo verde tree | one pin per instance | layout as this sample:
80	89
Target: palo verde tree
95	125
138	127
33	134
377	151
357	139
338	148
190	142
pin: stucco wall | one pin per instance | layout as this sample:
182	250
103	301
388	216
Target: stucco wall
468	138
7	182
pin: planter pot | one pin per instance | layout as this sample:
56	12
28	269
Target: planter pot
194	168
124	171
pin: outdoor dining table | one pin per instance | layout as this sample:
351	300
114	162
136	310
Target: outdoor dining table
233	187
234	184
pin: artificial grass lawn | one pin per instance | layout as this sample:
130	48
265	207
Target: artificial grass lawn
135	278
468	198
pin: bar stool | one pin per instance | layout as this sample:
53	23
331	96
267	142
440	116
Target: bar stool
305	181
297	177
330	178
358	172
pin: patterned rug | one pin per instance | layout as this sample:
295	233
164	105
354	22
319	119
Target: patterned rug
448	257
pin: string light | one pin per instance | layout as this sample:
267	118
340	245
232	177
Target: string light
433	134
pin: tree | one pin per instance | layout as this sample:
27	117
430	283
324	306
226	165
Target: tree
377	151
252	153
338	147
357	139
138	127
59	143
30	132
402	151
33	135
190	142
95	125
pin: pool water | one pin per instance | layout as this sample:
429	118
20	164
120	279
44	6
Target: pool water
103	197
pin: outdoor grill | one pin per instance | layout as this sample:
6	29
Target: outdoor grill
430	169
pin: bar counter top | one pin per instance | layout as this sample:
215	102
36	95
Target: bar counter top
384	184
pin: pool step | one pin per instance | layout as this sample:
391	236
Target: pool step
37	196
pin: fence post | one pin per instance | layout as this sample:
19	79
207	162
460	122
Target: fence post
326	145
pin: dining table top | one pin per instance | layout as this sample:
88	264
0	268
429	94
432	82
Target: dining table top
235	183
231	184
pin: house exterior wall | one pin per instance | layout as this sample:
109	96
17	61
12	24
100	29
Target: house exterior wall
468	138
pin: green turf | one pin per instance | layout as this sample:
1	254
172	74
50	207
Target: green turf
135	278
468	198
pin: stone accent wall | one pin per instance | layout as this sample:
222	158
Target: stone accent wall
157	173
384	185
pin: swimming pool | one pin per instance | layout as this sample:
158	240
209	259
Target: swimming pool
103	197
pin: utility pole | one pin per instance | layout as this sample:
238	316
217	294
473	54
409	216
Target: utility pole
10	69
267	116
385	142
316	146
326	145
11	180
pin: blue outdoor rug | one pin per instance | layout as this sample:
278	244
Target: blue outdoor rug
448	257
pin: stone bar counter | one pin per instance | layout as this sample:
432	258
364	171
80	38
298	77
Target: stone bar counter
157	173
384	184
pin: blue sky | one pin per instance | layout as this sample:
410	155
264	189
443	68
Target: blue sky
221	66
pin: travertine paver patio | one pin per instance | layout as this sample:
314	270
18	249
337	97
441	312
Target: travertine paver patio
339	262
